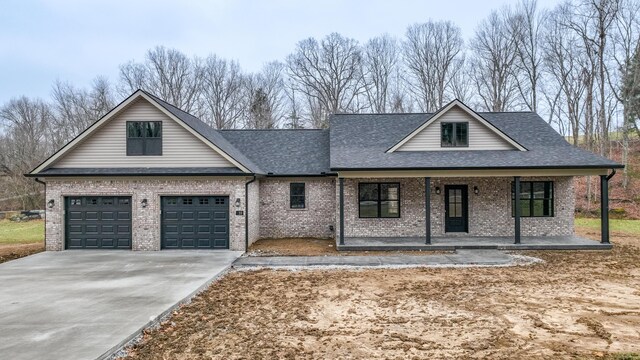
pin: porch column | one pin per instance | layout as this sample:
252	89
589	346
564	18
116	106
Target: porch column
516	204
604	209
427	209
341	211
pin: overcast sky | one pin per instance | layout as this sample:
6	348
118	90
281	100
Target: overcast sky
76	40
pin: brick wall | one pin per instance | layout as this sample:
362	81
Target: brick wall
278	220
254	211
146	221
489	211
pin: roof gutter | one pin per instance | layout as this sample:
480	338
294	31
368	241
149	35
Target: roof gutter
617	166
134	174
246	215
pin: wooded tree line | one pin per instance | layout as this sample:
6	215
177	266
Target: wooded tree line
577	65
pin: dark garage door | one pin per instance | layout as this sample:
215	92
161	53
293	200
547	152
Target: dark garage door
195	222
98	222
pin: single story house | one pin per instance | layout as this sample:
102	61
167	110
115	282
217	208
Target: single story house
149	176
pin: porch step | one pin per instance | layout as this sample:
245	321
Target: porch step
399	247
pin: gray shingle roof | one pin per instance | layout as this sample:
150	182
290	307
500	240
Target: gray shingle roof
209	133
360	141
284	152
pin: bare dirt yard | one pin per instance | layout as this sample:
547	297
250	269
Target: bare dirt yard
16	251
575	305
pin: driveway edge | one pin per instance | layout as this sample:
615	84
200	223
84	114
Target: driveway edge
119	349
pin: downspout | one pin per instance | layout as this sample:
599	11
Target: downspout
45	209
613	172
246	216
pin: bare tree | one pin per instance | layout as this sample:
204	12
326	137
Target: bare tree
76	108
432	54
565	62
24	143
267	97
493	63
329	74
168	74
224	100
526	25
380	62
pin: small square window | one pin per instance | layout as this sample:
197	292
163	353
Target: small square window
144	138
172	201
204	201
76	202
454	134
107	201
123	201
219	201
93	201
187	201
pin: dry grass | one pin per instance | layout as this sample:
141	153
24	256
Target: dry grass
575	305
12	252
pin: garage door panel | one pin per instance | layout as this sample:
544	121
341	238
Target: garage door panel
98	222
220	215
124	215
204	229
195	222
108	215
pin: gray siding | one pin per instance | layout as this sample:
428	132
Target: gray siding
480	136
107	146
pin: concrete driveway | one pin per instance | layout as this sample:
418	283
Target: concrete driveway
83	304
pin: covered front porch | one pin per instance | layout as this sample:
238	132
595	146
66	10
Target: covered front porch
464	210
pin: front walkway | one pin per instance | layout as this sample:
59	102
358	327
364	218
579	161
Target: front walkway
471	242
459	258
84	304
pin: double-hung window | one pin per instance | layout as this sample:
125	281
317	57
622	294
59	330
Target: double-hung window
144	138
536	199
379	200
454	134
296	196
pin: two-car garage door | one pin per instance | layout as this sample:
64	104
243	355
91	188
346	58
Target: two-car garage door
188	222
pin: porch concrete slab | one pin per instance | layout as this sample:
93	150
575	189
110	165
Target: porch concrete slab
85	304
460	258
452	243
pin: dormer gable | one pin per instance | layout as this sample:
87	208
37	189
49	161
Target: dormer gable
456	127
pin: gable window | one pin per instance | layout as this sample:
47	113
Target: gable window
379	200
144	138
454	134
296	196
536	199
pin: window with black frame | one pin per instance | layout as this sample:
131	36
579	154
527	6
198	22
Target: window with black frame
144	138
454	134
379	200
536	199
297	196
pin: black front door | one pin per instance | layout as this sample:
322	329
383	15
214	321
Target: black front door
455	208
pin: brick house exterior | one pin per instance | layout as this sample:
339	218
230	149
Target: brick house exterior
149	176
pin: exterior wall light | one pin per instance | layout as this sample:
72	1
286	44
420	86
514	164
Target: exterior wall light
144	203
237	202
50	203
476	190
438	190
